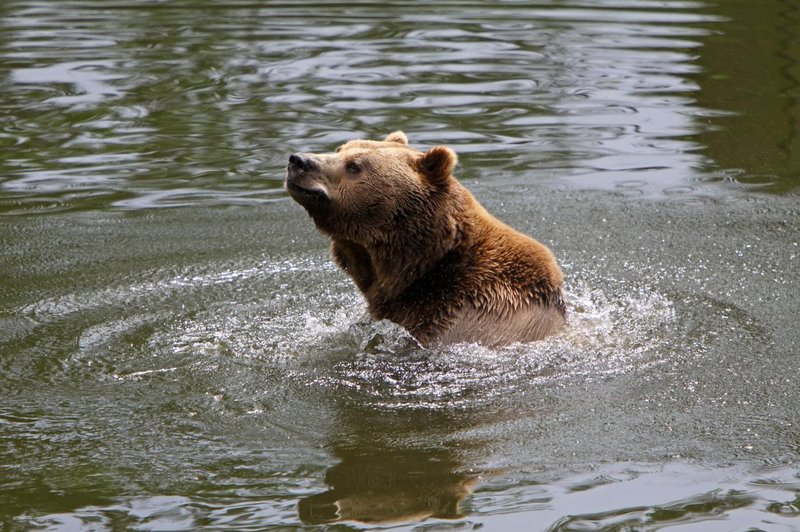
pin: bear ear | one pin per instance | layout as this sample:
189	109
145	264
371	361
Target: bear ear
397	136
438	163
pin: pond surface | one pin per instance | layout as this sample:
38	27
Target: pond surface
178	352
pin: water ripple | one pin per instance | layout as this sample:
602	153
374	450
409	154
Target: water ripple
551	91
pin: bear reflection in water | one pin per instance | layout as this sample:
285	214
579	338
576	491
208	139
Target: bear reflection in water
422	250
389	486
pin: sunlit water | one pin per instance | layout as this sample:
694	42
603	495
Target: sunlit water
207	366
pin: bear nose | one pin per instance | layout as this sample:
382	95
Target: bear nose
302	162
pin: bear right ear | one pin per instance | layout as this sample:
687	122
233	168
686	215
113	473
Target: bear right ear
438	163
397	136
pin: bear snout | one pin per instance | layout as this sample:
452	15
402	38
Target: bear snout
301	162
305	181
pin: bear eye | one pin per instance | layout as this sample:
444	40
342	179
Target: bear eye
353	167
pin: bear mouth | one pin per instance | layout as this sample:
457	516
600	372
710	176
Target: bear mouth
302	194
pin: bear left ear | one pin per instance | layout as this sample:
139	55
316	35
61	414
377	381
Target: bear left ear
438	163
397	136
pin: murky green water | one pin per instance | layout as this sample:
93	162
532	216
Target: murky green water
177	351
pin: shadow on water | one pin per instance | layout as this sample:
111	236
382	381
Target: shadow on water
389	486
383	476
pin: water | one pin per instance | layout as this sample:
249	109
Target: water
177	350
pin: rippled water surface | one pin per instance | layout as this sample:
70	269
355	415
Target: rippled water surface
177	350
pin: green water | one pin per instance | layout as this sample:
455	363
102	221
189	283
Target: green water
178	352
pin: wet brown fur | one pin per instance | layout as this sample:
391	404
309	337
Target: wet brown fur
422	250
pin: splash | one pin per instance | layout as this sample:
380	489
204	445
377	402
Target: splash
606	335
306	323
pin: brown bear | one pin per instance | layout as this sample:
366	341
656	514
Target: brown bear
422	250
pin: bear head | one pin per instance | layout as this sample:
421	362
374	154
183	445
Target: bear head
367	191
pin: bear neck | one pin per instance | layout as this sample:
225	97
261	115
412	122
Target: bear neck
398	264
412	250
